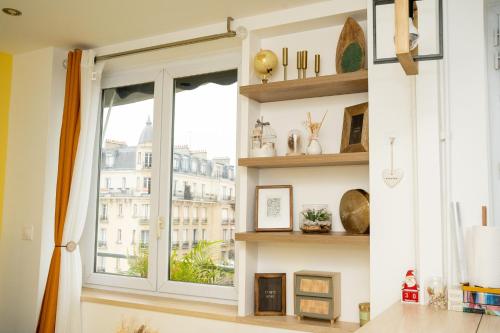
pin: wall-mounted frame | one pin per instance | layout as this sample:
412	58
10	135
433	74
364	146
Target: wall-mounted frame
377	59
274	208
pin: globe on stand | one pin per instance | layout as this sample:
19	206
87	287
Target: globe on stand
265	62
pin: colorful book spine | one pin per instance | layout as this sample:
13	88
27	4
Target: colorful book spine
481	298
493	310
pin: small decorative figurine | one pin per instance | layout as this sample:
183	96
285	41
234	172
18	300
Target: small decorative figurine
409	292
265	63
351	48
263	140
294	143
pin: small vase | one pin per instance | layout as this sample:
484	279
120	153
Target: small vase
314	147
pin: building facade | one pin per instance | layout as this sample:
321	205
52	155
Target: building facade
202	205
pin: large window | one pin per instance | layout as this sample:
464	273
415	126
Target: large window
164	200
204	132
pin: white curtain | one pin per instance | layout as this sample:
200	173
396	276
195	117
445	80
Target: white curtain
68	318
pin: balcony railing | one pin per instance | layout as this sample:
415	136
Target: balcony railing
224	221
185	221
175	245
185	245
195	243
231	221
103	219
143	245
225	243
195	221
204	221
144	221
175	221
102	243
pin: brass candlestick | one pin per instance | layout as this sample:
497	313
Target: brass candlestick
299	64
285	62
316	64
304	64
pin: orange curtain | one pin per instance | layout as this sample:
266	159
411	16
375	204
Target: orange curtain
68	145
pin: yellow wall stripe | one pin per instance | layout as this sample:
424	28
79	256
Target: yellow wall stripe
5	86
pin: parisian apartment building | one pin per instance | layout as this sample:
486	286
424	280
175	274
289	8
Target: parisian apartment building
202	209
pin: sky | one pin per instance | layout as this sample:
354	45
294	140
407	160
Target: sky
205	119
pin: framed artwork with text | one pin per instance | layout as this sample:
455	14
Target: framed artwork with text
270	294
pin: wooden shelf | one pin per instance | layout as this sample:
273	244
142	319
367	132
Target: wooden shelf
329	85
305	160
300	237
304	325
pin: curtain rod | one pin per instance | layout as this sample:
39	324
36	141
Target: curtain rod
228	34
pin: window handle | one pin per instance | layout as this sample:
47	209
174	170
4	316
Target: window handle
160	225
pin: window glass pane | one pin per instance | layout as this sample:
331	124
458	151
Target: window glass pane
203	161
125	180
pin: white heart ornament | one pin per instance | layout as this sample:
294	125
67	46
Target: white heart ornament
392	177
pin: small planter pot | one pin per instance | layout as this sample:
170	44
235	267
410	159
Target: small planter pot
315	219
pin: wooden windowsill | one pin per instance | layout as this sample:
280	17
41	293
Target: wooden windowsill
161	304
211	311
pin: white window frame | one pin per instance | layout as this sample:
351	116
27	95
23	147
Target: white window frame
157	281
111	281
181	69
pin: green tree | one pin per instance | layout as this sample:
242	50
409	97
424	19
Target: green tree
197	266
138	263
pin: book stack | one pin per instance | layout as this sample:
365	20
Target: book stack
481	300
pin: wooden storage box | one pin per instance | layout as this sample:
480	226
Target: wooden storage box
317	295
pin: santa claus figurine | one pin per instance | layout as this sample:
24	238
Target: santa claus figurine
410	288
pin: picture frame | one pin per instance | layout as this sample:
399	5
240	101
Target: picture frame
273	208
355	129
270	294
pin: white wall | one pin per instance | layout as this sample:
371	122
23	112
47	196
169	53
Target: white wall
35	116
406	221
467	111
491	19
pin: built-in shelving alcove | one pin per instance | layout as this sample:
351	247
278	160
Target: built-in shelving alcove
321	179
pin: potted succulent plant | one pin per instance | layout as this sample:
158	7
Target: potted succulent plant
315	219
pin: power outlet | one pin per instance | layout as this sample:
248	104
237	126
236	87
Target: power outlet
28	231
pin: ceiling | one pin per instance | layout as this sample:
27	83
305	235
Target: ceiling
94	23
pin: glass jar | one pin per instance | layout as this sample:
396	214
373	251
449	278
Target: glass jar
364	313
436	293
263	140
315	219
